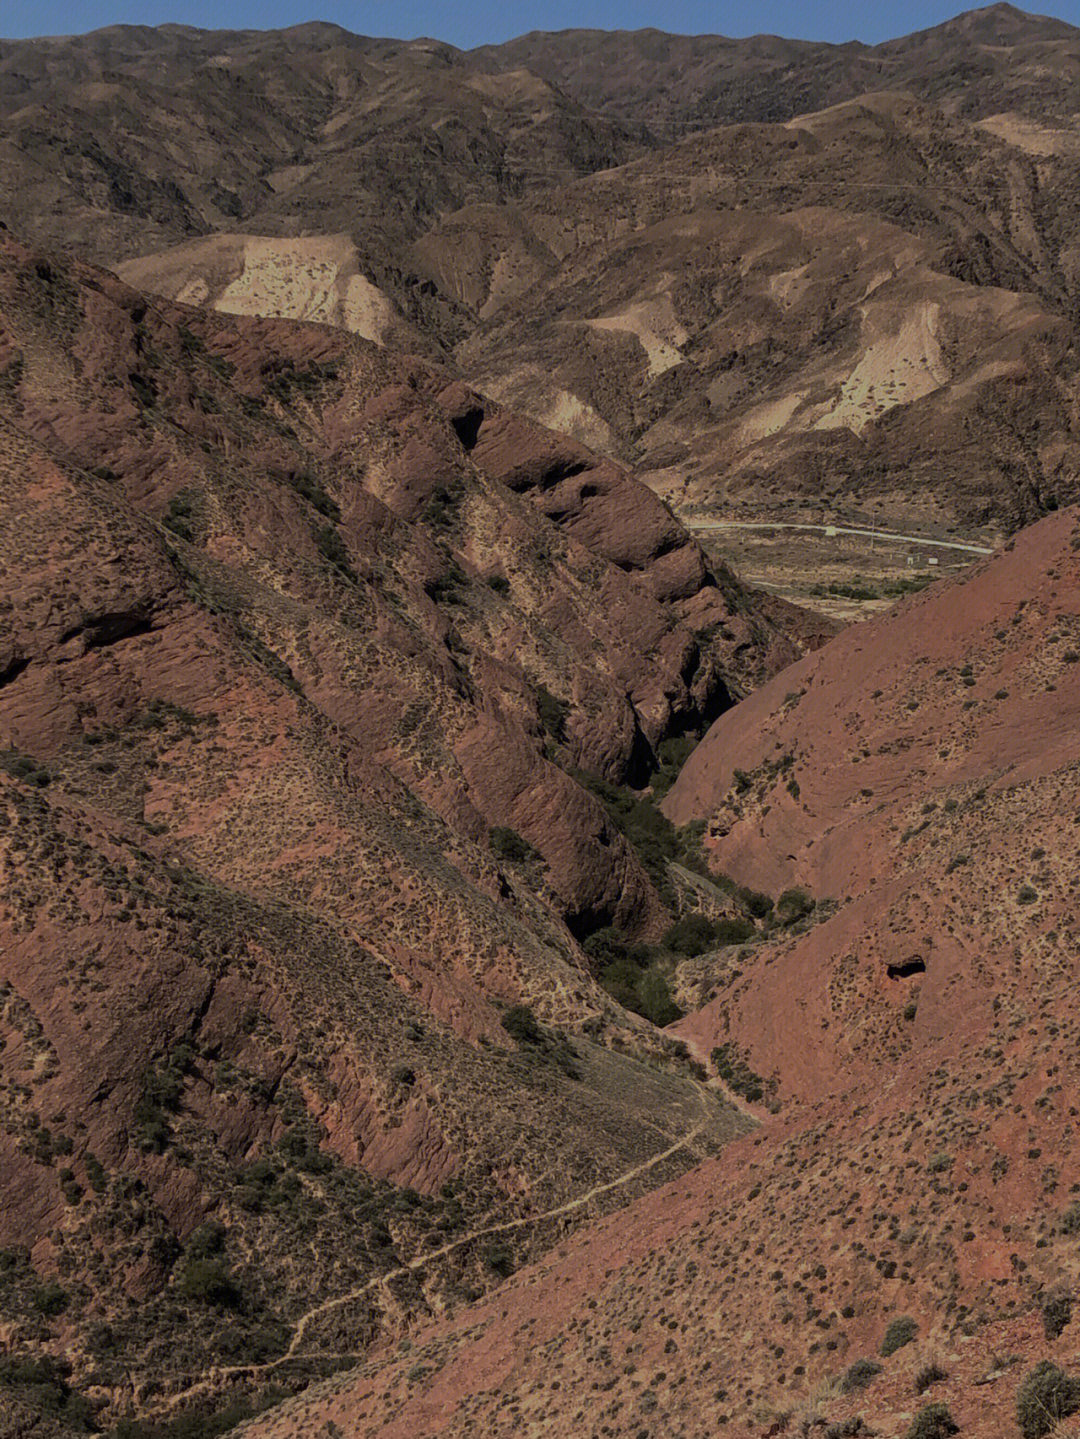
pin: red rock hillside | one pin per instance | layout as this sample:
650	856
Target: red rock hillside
906	1032
302	647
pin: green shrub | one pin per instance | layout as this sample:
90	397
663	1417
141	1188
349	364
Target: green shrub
1056	1314
755	903
50	1299
507	845
499	1260
933	1422
95	1173
208	1281
645	827
609	945
859	1375
793	905
691	935
1046	1395
552	712
333	548
308	486
21	766
206	1241
1070	1220
42	1383
731	931
657	1004
900	1332
736	1073
178	517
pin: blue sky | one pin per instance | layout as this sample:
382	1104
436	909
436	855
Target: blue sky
473	22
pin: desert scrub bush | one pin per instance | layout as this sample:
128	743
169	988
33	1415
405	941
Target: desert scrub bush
499	1260
1046	1395
691	935
42	1384
546	1046
552	713
671	755
162	1087
178	517
645	827
1056	1314
309	488
859	1375
755	903
929	1374
608	945
506	844
333	548
654	997
208	1281
21	766
1069	1222
793	905
901	1331
521	1025
642	988
50	1299
200	1422
736	1073
932	1422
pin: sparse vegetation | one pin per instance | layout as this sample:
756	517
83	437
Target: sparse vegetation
1056	1314
1046	1396
934	1421
736	1073
859	1375
900	1332
508	846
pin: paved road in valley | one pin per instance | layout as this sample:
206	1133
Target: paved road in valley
702	526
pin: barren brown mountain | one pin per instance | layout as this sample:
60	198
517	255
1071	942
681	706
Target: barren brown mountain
859	291
320	684
469	963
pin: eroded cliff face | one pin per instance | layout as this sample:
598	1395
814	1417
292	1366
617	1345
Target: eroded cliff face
293	632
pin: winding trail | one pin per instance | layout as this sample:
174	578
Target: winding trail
698	527
705	1098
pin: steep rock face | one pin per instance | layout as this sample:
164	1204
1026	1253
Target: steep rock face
915	1041
263	719
324	489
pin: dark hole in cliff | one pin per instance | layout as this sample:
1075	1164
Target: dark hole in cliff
467	426
13	670
587	491
561	470
717	701
641	762
905	968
